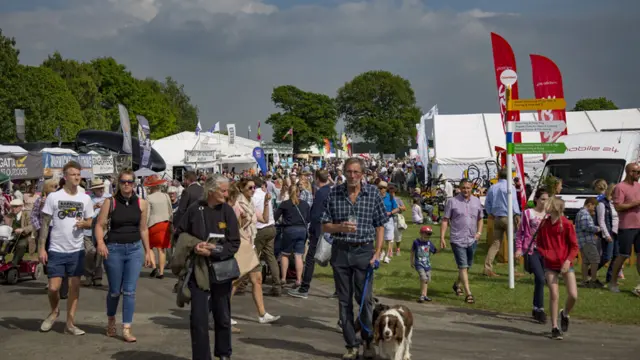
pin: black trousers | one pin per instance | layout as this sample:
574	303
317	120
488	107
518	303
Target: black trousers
218	301
309	265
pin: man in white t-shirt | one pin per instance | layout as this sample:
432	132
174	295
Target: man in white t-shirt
65	215
265	238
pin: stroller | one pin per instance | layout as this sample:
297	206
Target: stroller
9	272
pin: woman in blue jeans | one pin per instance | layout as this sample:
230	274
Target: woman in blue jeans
125	220
526	243
295	218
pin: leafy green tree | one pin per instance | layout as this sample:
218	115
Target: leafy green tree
312	116
380	107
47	103
186	113
150	102
81	79
8	79
590	104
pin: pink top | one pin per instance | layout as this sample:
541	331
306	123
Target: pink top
625	193
528	227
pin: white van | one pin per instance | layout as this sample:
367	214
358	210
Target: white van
590	156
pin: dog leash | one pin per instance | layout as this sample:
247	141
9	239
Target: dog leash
364	294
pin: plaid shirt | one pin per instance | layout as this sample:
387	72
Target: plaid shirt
585	228
306	196
35	214
368	209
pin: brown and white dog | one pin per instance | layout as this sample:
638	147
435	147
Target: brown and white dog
393	332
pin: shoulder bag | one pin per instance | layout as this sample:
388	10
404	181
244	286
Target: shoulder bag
220	271
306	226
525	255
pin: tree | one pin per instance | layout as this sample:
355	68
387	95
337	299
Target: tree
590	104
47	103
81	79
8	79
312	116
186	113
380	107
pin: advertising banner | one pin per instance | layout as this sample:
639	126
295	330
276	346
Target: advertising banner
102	165
125	125
199	156
547	84
21	166
144	138
258	154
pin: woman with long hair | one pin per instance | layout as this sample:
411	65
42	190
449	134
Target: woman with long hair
526	244
159	222
240	199
50	185
397	232
557	244
295	215
122	237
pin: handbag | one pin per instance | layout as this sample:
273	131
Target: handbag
306	226
526	256
221	271
402	223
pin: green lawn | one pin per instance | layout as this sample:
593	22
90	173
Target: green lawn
398	280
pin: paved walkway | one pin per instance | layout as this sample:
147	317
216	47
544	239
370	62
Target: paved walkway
307	330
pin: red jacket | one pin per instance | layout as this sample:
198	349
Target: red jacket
556	244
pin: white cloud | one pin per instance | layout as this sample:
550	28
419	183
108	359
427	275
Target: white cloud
231	53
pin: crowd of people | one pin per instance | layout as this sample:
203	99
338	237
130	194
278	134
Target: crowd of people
219	232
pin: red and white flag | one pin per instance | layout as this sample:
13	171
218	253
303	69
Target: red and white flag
547	84
504	59
290	132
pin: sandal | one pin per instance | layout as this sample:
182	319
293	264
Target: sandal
127	335
111	330
457	290
469	299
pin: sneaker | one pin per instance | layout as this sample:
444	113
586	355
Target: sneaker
636	291
369	352
387	260
556	334
421	299
351	354
398	252
233	322
427	299
614	288
296	293
268	318
564	321
540	316
47	324
74	330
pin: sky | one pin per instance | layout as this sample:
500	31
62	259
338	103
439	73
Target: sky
230	54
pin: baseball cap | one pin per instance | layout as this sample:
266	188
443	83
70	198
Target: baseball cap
426	229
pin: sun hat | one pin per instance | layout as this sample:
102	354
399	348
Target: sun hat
97	183
383	184
153	180
16	202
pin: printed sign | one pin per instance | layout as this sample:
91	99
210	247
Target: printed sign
508	77
536	148
21	166
231	133
536	104
199	156
538	126
102	165
122	161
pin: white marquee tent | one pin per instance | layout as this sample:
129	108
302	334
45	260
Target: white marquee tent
172	149
463	140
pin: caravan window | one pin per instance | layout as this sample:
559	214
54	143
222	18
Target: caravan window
578	175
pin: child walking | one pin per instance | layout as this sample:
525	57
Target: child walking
557	244
421	251
589	242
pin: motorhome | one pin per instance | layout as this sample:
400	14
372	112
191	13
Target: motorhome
591	156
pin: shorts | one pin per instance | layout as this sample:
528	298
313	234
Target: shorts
389	228
294	239
628	238
464	255
60	265
425	275
590	253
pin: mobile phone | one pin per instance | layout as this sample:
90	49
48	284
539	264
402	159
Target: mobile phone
215	236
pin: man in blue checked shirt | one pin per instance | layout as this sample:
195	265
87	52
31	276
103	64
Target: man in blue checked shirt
355	216
496	206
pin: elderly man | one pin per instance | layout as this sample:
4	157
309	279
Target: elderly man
22	228
355	215
93	260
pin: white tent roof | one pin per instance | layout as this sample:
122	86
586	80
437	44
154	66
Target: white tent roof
11	149
172	148
462	140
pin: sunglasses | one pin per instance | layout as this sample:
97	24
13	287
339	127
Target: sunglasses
129	182
251	188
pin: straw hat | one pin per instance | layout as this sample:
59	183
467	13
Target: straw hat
153	180
97	184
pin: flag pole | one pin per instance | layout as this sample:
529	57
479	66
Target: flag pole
292	143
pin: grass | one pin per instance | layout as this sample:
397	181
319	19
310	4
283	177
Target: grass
398	280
